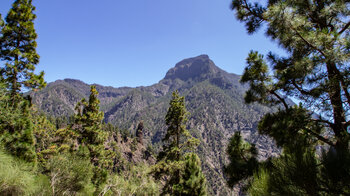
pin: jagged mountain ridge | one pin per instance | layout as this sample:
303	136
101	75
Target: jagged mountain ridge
213	97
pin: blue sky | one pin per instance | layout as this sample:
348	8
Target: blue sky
134	42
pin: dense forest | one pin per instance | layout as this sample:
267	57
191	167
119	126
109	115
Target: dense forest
83	153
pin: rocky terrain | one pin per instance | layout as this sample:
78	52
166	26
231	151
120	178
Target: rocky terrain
213	97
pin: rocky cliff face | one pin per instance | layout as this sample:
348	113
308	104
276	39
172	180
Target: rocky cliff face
193	68
213	97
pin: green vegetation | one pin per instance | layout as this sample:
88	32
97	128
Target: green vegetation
192	181
73	160
88	123
16	125
77	153
18	177
215	102
70	175
217	110
243	161
18	52
182	169
136	182
315	71
18	49
42	155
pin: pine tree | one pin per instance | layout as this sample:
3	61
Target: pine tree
192	182
139	132
18	53
16	127
47	143
88	124
177	138
18	49
315	71
315	35
171	161
243	161
90	117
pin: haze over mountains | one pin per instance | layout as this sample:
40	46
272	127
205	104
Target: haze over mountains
213	97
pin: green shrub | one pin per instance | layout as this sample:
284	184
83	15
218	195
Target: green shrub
70	175
134	182
19	178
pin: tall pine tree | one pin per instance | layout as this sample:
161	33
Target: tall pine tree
88	124
18	49
177	136
90	117
181	172
315	70
18	53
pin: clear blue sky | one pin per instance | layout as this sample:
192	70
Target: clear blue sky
134	42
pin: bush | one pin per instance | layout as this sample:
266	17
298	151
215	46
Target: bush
19	178
134	182
70	175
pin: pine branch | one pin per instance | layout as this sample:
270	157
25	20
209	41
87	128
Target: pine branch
281	99
344	28
321	138
308	43
323	121
242	156
300	89
248	8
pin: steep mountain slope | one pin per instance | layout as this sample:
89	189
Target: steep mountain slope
60	97
213	97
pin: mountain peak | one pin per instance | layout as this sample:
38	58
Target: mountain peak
191	68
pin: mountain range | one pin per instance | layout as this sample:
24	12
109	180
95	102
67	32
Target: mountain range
214	98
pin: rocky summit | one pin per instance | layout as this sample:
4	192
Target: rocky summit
213	97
